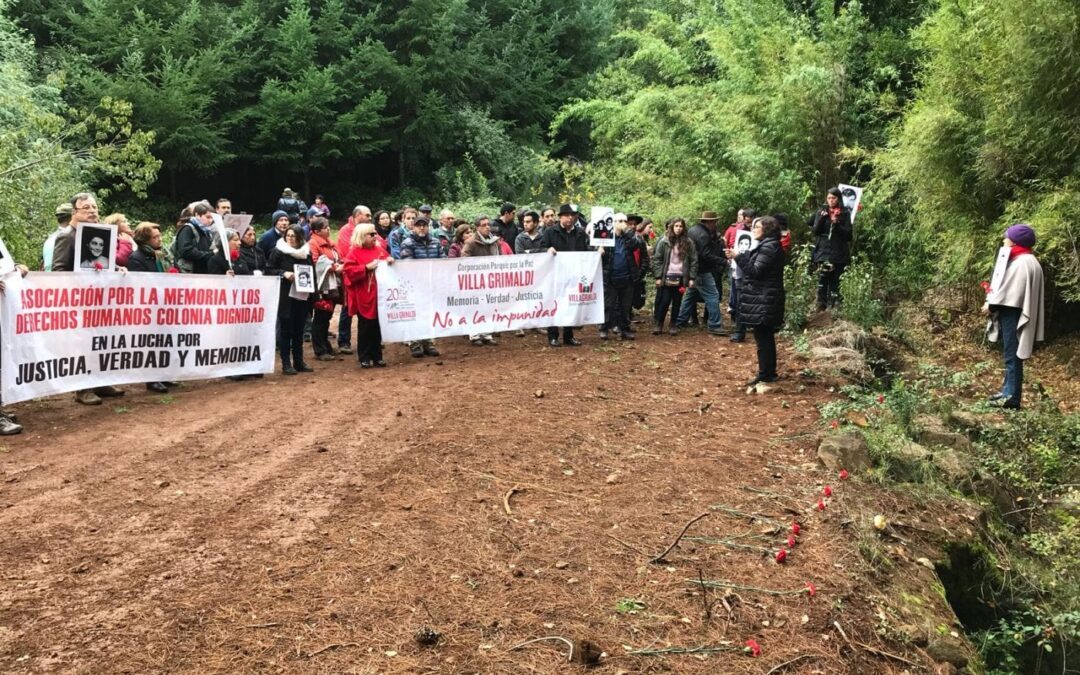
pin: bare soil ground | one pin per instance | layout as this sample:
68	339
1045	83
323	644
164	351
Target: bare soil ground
313	524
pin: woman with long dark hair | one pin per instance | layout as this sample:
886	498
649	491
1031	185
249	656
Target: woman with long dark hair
831	228
294	307
675	265
761	297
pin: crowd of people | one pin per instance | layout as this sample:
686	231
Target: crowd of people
688	266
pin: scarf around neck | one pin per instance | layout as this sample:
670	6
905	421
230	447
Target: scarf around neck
1017	250
298	253
486	241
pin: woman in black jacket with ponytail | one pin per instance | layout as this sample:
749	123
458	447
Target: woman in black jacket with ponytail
761	297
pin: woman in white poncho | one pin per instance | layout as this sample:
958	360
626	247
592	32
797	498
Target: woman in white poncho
1016	311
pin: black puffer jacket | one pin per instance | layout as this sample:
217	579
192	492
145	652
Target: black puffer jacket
832	242
761	297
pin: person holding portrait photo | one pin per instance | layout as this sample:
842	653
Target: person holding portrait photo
84	209
293	307
831	227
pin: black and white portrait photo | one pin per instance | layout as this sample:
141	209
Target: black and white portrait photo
743	241
304	281
852	196
95	247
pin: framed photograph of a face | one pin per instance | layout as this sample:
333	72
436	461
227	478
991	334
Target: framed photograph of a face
743	241
304	279
95	247
852	199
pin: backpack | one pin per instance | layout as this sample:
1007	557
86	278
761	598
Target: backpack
181	264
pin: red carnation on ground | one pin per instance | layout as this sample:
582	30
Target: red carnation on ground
781	556
752	648
843	474
820	505
98	266
795	529
827	491
811	590
833	424
881	398
791	541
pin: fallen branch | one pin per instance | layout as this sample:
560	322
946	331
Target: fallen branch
522	484
873	650
506	499
333	645
567	642
780	666
262	625
705	649
632	548
678	538
745	514
729	544
704	597
707	583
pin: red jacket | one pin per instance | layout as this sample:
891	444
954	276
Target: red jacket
361	290
321	246
344	238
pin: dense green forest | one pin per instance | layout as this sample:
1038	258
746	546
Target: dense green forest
958	116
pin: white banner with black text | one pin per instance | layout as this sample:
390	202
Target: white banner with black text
69	331
468	296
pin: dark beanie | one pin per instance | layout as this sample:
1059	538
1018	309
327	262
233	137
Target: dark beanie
1021	235
277	214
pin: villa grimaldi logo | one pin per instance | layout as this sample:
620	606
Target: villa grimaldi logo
584	293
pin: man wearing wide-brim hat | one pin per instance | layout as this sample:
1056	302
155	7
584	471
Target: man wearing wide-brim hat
710	260
566	236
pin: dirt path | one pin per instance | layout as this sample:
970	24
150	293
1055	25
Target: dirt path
250	527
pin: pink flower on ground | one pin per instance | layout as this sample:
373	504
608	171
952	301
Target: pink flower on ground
827	491
833	424
843	474
781	556
795	529
791	541
810	589
752	648
820	505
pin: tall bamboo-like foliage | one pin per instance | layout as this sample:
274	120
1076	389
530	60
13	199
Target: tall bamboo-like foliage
993	137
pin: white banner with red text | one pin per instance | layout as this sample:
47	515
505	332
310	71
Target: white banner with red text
68	331
468	296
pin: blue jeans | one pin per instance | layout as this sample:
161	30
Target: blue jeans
1009	320
705	288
